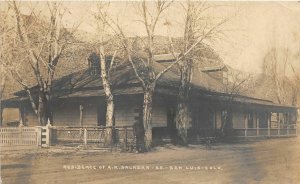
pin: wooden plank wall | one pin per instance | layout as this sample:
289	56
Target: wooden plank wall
30	117
238	119
127	111
89	114
159	114
66	114
10	115
218	115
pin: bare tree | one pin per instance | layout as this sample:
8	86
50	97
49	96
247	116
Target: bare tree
198	28
3	49
6	38
143	67
295	84
44	43
145	71
105	67
238	83
271	68
279	71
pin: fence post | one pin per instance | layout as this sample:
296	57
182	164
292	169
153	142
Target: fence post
112	141
257	126
80	115
85	136
21	125
48	134
245	123
125	138
269	126
38	136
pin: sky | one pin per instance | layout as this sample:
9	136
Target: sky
253	27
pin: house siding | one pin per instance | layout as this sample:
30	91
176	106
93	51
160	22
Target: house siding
31	119
10	115
66	114
126	112
238	120
29	116
218	119
159	114
89	115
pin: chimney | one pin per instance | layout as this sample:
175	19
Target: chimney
165	58
94	64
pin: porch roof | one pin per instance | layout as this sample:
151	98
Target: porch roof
13	102
252	103
100	92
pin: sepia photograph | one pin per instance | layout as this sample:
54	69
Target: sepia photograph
149	91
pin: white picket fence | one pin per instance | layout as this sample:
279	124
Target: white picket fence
46	136
20	136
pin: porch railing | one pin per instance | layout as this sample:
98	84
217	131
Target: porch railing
265	132
202	134
123	136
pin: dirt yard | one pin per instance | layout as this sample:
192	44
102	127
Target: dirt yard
268	161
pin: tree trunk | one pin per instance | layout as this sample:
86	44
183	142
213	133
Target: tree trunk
182	113
294	97
44	110
109	98
147	115
109	119
1	113
226	122
41	112
42	115
182	121
2	87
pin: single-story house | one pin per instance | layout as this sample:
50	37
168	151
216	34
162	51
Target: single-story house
79	101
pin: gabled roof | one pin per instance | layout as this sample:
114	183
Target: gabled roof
123	76
124	81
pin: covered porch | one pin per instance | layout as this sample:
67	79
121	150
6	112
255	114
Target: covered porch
246	117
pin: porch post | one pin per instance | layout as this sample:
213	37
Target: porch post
278	124
246	123
257	125
269	124
85	136
295	126
287	124
80	115
1	114
21	125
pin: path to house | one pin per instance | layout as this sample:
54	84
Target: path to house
270	161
